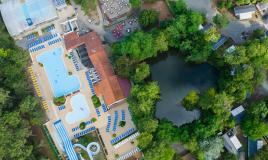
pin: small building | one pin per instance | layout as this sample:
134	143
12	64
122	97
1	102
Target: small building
244	12
262	8
112	88
254	146
238	113
231	142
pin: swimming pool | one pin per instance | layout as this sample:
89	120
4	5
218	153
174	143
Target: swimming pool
61	82
80	109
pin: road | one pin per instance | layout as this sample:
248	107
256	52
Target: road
235	27
203	6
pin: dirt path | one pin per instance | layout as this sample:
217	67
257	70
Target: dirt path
161	7
43	147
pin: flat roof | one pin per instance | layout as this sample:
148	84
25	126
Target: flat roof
111	87
22	15
237	110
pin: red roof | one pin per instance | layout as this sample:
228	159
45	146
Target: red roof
111	87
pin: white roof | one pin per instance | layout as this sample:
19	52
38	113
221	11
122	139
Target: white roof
230	49
22	15
259	144
235	142
237	110
243	16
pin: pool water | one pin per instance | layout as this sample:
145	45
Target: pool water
61	82
80	109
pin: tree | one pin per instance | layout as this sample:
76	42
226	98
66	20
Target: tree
259	109
212	147
143	98
227	156
191	100
262	154
258	33
141	72
138	47
212	35
3	53
148	17
144	139
178	7
167	132
135	3
147	125
254	128
160	151
124	66
221	21
161	42
254	124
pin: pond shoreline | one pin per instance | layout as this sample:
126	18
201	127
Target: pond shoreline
176	78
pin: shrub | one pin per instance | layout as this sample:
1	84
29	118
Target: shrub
221	21
93	119
40	64
148	17
96	101
82	125
122	123
58	101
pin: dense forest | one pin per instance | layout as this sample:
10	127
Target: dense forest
248	65
19	109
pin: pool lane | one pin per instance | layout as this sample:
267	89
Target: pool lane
60	81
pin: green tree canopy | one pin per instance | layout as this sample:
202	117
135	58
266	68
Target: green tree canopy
144	139
212	147
148	17
141	72
159	152
221	21
191	100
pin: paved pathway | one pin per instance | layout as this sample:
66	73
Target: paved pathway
203	6
236	27
84	24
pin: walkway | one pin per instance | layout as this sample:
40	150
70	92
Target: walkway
85	25
203	6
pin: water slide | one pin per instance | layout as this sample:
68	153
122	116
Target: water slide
87	149
66	142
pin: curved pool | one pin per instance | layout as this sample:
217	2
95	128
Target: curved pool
80	109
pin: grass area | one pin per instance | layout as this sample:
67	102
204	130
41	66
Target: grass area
85	140
87	5
51	143
96	101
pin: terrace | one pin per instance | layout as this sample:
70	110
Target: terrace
114	8
55	74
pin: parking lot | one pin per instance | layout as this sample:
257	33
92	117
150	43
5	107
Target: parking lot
124	28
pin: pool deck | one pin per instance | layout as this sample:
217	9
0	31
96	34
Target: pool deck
54	114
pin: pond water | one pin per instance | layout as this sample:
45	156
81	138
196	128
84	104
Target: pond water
176	78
